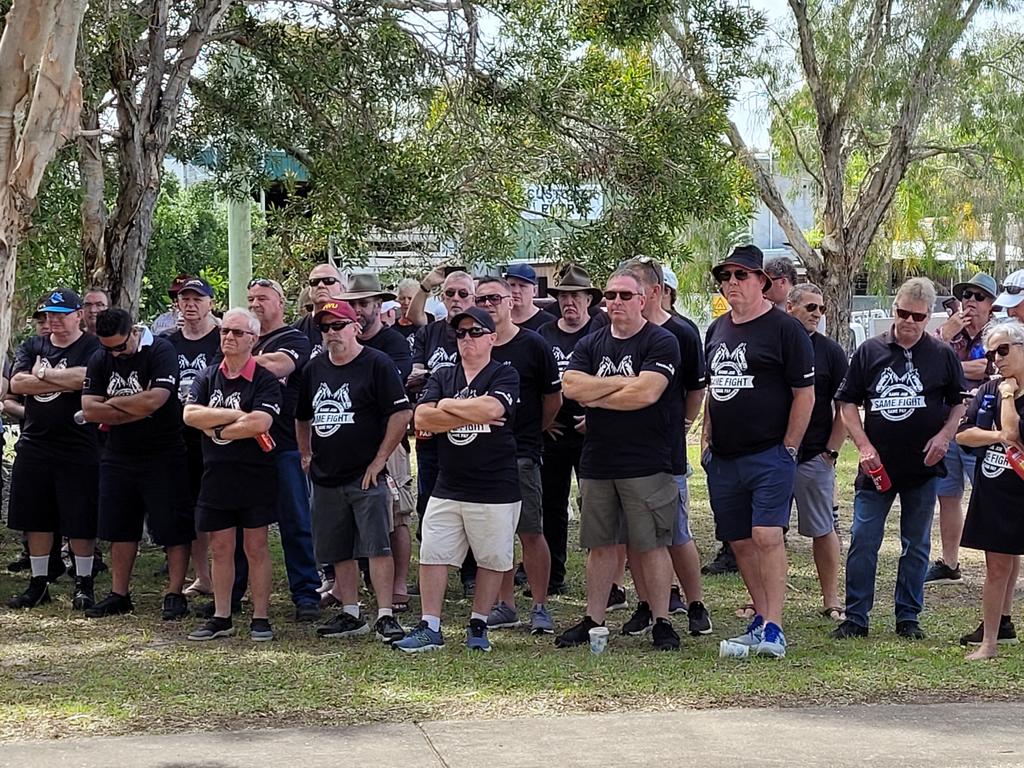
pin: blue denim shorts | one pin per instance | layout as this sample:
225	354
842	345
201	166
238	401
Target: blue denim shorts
959	471
749	491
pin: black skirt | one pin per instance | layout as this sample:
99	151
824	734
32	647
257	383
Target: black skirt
995	517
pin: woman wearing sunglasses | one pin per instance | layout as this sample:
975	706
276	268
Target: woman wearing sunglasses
995	517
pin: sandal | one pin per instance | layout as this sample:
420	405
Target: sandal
833	613
747	611
400	604
194	590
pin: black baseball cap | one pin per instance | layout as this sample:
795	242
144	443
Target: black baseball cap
61	300
480	315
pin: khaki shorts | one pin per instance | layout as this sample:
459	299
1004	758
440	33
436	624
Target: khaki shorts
404	489
451	528
641	512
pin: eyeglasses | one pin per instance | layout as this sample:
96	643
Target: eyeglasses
474	331
236	332
315	281
1013	290
728	274
1002	350
620	295
812	307
119	347
490	298
338	325
968	295
462	293
906	314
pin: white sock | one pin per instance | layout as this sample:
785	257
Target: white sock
351	610
434	622
385	612
83	565
40	565
478	616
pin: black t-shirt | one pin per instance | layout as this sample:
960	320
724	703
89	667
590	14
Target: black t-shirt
562	344
311	331
996	487
434	346
621	444
237	473
153	366
348	407
906	394
533	360
477	462
539	319
296	346
49	430
407	332
391	343
829	370
689	378
194	355
753	368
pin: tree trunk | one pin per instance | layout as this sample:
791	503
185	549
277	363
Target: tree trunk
999	226
93	208
129	231
835	276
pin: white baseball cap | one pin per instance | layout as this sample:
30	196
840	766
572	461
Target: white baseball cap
387	306
671	281
1013	290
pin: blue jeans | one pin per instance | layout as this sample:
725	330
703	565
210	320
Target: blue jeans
295	525
870	509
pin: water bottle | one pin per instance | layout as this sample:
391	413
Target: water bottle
986	414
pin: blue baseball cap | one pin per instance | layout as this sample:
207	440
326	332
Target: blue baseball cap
62	301
198	285
521	272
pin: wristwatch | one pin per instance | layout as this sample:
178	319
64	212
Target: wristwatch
424	288
832	454
793	452
217	431
41	373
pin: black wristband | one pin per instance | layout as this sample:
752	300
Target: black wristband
424	288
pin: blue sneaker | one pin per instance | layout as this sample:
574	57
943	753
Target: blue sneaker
773	642
476	636
421	639
754	634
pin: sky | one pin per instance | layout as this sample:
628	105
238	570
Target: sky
750	110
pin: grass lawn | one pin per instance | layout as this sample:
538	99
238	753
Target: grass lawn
62	675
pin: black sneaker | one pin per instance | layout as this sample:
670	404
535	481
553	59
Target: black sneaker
307	612
21	564
699	619
36	594
261	631
617	599
520	576
664	636
848	629
388	629
1007	634
469	589
640	621
724	562
206	610
676	606
84	596
111	605
98	566
343	625
175	607
213	628
910	630
578	634
940	573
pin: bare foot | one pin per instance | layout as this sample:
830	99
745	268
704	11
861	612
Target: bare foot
198	587
981	654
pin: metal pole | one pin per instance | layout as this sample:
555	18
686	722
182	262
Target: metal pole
239	251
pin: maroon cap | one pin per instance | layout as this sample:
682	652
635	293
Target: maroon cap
339	309
178	283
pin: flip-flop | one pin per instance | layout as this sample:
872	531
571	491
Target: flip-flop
833	613
746	611
400	606
194	591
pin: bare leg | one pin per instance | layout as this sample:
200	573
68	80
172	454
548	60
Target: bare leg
686	562
39	544
997	571
603	563
122	560
201	562
258	555
80	547
222	547
1011	586
537	562
433	582
826	563
177	567
657	568
951	528
346	582
748	560
382	576
401	551
488	583
636	570
772	558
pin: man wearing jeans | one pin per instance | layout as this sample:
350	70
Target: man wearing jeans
909	383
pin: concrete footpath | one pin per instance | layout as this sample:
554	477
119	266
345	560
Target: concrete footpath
929	736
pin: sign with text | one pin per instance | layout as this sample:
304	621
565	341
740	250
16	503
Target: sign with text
560	202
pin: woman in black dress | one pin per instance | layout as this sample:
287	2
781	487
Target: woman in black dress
995	518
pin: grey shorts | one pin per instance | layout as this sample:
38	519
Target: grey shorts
641	512
681	534
531	516
813	491
349	522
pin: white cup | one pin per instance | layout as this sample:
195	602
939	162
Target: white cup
598	639
727	650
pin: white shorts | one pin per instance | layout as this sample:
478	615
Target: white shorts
452	528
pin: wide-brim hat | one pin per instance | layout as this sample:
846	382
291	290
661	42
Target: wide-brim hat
987	283
1015	282
365	286
575	279
750	258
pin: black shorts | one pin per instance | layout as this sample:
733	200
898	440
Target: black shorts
54	497
218	519
194	466
150	488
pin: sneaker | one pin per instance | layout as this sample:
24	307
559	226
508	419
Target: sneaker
699	619
773	642
664	636
343	625
84	596
388	629
519	577
940	573
212	629
540	621
640	621
1007	634
578	634
261	631
175	607
422	638
754	634
503	616
206	610
617	599
34	595
307	613
21	564
910	630
468	589
724	562
848	629
326	585
111	605
476	636
676	605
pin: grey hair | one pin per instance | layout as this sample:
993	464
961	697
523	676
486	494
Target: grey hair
250	319
459	275
917	289
797	291
407	284
781	266
1012	328
626	272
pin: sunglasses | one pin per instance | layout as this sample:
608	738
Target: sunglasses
474	331
728	274
1002	350
462	293
1013	290
812	307
906	314
262	282
119	347
620	295
315	281
490	298
968	295
236	332
338	325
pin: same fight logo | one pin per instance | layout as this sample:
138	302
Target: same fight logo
729	372
898	396
331	410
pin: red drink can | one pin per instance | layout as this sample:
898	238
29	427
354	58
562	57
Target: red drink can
880	478
1016	461
265	441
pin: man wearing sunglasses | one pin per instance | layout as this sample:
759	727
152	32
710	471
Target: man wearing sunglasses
352	413
131	386
963	332
325	284
1012	297
909	384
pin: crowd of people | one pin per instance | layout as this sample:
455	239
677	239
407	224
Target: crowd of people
204	431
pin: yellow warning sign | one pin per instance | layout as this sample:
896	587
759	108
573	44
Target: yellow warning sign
719	306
